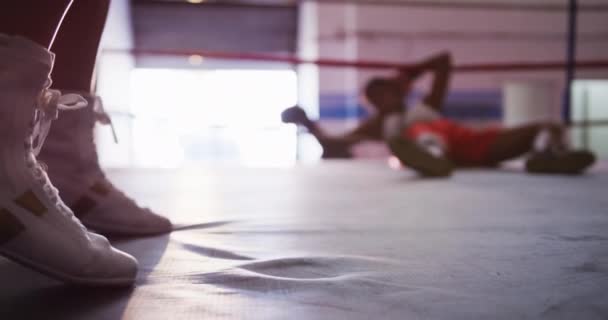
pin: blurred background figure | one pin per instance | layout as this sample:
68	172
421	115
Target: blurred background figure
425	141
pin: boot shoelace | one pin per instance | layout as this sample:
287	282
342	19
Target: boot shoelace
103	117
48	105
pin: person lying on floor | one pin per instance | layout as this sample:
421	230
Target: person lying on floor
422	139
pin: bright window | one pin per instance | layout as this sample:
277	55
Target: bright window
187	117
589	101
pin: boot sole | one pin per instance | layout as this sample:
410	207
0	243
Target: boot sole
414	157
66	278
572	164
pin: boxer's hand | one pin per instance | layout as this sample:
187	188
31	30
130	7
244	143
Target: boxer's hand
294	115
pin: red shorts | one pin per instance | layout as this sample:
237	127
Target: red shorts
465	146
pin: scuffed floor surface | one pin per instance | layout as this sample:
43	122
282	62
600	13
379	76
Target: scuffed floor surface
350	241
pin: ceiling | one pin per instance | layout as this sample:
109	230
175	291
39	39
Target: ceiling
182	27
592	4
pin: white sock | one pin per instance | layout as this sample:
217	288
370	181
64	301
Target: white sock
545	142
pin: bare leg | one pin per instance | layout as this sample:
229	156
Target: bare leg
516	142
335	149
33	19
77	44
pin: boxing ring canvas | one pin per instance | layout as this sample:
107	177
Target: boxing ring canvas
350	240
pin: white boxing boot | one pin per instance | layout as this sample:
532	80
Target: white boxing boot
37	229
73	165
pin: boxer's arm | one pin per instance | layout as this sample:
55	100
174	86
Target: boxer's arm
441	67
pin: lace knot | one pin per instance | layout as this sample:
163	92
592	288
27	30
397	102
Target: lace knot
49	103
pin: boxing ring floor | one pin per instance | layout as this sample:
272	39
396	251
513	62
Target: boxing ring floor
350	240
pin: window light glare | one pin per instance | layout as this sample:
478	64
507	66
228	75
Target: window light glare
195	60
